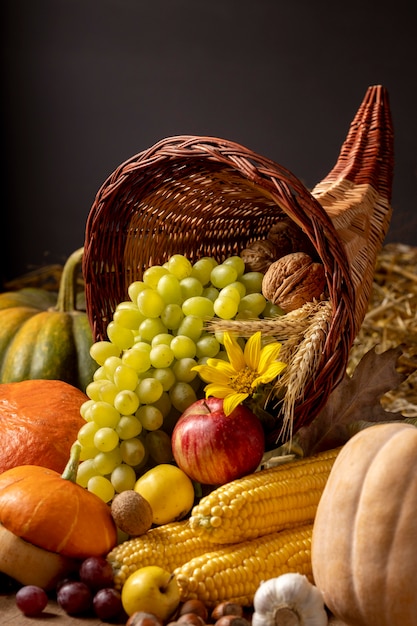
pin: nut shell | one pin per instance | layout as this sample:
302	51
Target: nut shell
293	280
259	255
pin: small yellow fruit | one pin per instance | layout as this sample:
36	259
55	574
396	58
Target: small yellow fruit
153	590
169	491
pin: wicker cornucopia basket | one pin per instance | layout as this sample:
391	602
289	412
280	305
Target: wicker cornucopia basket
207	196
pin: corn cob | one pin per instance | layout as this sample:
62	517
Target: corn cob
264	502
168	546
234	572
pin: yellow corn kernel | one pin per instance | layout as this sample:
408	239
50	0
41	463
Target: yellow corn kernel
168	546
233	573
264	502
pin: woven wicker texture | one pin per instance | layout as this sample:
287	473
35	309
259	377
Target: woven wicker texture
208	196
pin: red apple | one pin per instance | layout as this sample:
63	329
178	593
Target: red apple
213	448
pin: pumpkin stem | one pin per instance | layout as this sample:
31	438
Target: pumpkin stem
66	301
70	471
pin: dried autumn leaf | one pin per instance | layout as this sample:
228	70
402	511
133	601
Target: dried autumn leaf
356	399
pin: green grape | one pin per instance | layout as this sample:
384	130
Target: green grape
183	369
108	391
101	350
126	402
190	286
135	288
159	446
105	462
161	356
161	339
239	286
163	404
182	395
165	375
100	373
149	390
85	471
101	487
237	262
169	289
231	291
86	434
137	359
132	451
93	390
151	327
128	427
150	417
180	266
253	302
85	410
104	415
106	439
88	452
125	377
123	478
252	281
172	316
130	318
152	275
198	305
272	310
208	346
120	336
183	346
110	365
150	303
222	275
202	269
142	346
211	293
226	307
191	326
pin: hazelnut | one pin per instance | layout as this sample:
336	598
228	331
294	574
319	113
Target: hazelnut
293	280
194	606
142	618
226	608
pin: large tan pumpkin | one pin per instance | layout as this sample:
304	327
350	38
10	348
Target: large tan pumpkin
364	549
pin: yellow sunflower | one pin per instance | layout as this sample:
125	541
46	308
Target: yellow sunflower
237	379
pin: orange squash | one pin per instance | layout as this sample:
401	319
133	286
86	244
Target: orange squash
51	511
48	523
365	532
39	421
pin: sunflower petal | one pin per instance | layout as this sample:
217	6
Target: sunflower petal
217	390
268	355
234	352
273	370
253	351
232	401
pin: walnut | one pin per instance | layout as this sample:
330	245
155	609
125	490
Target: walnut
288	237
293	280
259	255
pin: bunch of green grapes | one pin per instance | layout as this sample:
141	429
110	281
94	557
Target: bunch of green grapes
145	378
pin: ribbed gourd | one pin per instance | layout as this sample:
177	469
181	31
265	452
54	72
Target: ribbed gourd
44	336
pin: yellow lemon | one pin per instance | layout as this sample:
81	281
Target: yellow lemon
153	590
169	491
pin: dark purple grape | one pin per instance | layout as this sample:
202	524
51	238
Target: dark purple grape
108	604
31	600
96	572
75	598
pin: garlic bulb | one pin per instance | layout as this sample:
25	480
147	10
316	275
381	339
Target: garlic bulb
288	600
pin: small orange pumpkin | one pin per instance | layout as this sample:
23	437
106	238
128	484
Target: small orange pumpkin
365	531
51	511
39	421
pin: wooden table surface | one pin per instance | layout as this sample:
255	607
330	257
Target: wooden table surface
53	615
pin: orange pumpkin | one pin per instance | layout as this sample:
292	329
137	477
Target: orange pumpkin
39	421
51	511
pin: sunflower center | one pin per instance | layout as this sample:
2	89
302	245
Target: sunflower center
242	381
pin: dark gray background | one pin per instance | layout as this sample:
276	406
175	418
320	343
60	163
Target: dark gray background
89	83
